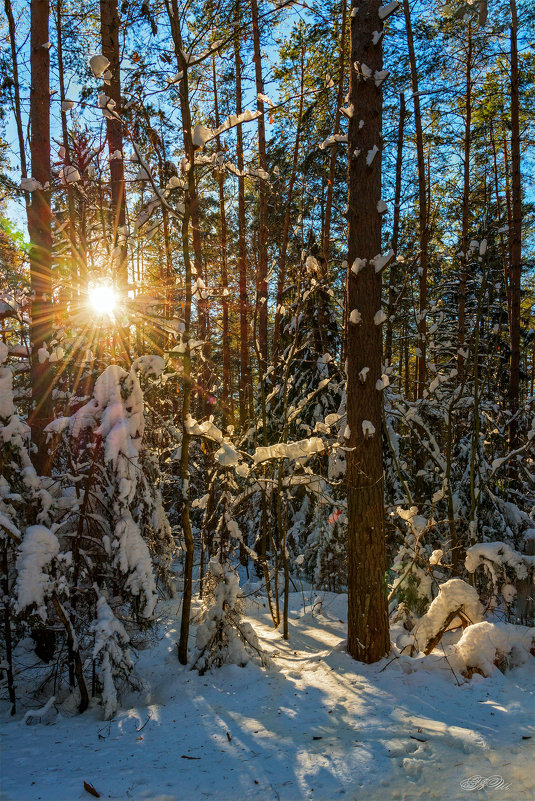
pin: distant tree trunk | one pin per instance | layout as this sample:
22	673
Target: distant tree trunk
500	221
191	204
8	638
225	342
287	219
332	165
262	269
16	91
167	275
159	338
175	16
461	330
515	236
368	634
244	390
40	232
80	278
423	231
394	272
109	27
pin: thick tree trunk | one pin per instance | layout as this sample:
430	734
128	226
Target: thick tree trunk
515	236
423	232
262	269
368	635
40	231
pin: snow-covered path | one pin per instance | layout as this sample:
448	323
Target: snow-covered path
316	725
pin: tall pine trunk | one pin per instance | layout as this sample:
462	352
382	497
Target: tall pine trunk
423	231
461	331
368	634
225	341
109	27
287	219
245	389
262	269
77	265
336	130
515	237
394	272
16	90
40	231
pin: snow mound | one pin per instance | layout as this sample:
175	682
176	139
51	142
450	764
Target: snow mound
485	646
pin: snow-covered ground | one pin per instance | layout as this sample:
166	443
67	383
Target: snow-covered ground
315	725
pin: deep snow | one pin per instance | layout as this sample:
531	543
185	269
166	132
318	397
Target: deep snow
315	725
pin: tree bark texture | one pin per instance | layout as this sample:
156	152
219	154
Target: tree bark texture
40	232
368	635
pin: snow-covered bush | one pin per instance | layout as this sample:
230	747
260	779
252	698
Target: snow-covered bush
24	501
96	546
110	649
118	504
324	547
35	562
457	604
413	582
223	637
504	567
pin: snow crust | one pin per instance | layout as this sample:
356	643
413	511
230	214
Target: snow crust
315	725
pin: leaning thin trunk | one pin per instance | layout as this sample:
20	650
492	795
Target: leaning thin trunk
191	203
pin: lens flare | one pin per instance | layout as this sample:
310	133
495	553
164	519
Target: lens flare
103	300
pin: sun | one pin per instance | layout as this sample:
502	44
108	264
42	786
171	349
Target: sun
103	299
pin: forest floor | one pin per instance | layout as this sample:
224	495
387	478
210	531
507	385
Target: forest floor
314	725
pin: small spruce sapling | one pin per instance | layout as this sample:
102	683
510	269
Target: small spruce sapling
223	637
